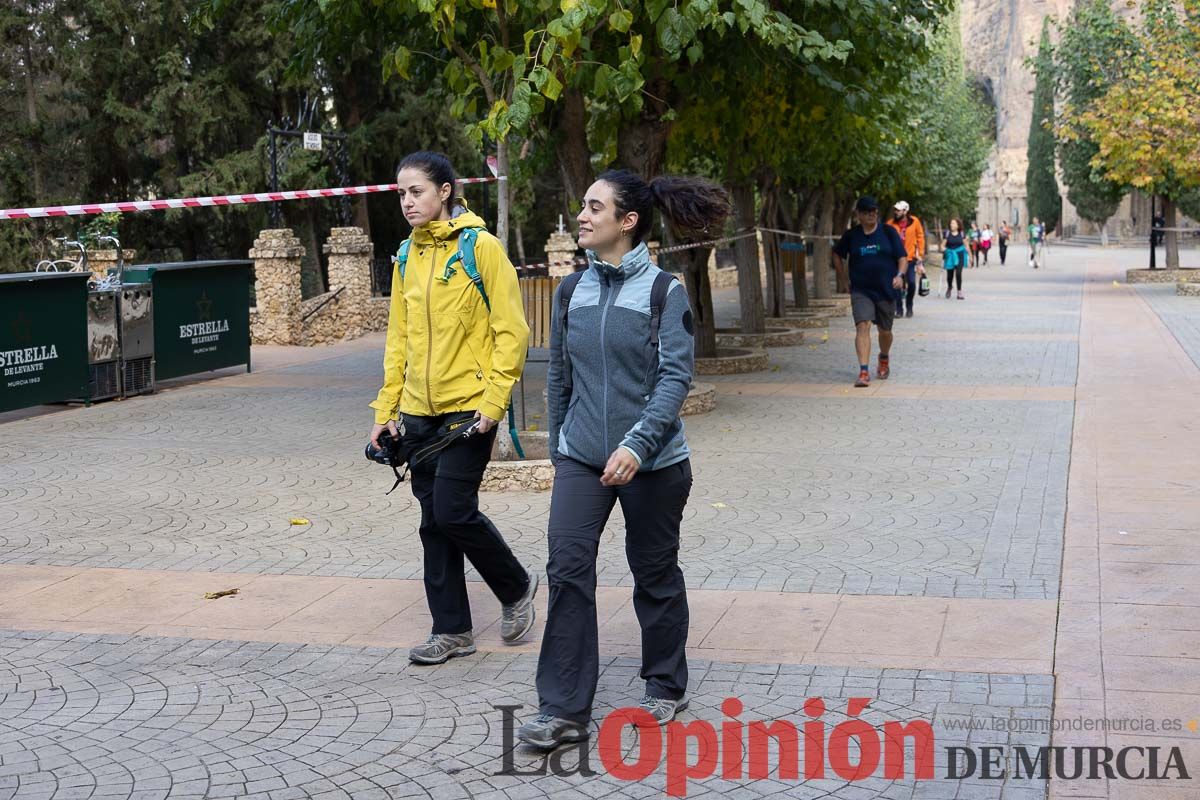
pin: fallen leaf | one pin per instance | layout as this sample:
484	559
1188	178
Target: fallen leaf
1116	283
719	505
300	521
222	593
533	427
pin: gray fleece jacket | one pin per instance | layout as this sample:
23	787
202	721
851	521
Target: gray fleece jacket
607	385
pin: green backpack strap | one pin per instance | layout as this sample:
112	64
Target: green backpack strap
401	257
466	254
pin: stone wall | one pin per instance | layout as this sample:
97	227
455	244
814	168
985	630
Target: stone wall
346	311
343	311
1142	275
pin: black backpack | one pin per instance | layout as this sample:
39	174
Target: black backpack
658	298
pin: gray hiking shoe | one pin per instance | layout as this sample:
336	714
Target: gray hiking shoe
547	732
440	647
662	709
517	618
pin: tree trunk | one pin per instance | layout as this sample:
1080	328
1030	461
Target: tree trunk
574	155
314	242
845	208
776	279
823	248
750	295
1104	235
807	220
348	104
800	279
1172	236
642	142
695	271
520	243
502	192
39	189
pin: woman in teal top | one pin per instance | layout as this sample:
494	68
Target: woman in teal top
954	257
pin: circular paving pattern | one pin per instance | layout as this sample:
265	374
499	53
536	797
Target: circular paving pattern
173	718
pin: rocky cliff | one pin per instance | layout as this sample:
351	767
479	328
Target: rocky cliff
998	35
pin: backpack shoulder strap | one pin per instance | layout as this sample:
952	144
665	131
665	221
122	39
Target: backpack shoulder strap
466	254
658	299
565	289
401	257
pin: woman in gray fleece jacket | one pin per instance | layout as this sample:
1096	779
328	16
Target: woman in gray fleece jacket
620	368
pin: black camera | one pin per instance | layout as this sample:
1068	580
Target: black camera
401	454
390	452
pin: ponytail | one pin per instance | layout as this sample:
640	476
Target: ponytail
690	205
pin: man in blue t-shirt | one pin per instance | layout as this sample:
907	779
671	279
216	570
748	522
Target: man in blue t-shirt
877	265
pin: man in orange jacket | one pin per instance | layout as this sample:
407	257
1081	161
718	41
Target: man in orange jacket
912	232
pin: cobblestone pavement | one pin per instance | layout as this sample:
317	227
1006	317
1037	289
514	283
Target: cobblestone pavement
874	496
103	716
948	481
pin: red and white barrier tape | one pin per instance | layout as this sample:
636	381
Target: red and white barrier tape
545	265
201	202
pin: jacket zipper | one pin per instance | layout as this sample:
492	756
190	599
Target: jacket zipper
429	331
608	301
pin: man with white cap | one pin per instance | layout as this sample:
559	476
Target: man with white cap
912	232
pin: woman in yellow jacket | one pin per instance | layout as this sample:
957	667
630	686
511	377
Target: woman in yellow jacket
452	356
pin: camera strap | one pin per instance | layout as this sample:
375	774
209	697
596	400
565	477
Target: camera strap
400	476
457	432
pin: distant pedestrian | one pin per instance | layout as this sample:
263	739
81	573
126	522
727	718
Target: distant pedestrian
912	233
973	244
954	257
1037	241
985	241
1006	233
1157	223
877	264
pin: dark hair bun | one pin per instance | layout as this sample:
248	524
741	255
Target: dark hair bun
434	166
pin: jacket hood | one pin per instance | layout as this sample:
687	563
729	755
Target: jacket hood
632	263
445	230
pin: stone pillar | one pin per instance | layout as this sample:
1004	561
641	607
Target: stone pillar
560	253
349	252
276	254
100	261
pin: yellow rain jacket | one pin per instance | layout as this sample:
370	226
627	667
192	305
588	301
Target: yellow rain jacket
445	352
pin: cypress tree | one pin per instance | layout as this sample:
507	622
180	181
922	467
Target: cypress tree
1041	187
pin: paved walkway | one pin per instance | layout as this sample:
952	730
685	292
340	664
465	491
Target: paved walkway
998	537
